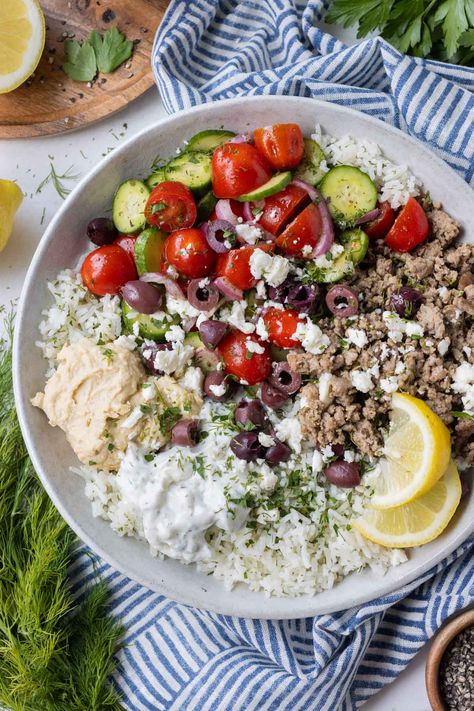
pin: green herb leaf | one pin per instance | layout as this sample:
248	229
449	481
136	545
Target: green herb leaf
111	49
81	63
169	418
460	415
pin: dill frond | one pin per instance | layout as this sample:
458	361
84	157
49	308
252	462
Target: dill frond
58	181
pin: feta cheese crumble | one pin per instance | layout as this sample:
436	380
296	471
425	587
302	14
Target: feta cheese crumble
235	316
274	269
463	383
254	347
249	233
357	336
313	340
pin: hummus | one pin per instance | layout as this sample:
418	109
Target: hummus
102	398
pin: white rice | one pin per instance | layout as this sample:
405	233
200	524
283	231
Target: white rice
294	555
395	183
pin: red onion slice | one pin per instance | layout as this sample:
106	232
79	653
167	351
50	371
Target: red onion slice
216	241
327	233
240	138
224	212
228	289
310	189
203	298
249	206
172	288
369	216
185	433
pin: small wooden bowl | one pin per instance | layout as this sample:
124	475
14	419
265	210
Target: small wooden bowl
439	644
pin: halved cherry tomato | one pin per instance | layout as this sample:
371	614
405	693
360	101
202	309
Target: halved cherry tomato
280	208
238	168
304	231
127	243
410	228
106	269
281	326
243	363
235	265
282	145
188	251
380	226
171	206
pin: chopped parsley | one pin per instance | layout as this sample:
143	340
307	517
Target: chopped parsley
460	415
168	419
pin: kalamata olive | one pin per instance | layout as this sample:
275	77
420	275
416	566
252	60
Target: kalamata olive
303	298
101	231
277	453
202	295
342	301
212	332
406	301
285	379
245	445
220	236
341	473
280	293
149	354
250	411
185	432
142	296
338	450
273	397
218	386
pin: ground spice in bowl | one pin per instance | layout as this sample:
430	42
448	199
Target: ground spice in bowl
456	672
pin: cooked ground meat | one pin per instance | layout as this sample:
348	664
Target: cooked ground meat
351	402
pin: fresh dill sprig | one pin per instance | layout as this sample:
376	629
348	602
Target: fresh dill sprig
57	180
54	655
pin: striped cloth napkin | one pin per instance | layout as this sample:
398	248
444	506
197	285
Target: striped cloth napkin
177	658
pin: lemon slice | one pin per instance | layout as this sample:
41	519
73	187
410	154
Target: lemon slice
22	34
417	450
415	523
10	200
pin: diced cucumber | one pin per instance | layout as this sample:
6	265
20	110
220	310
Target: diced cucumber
276	183
208	140
128	210
158	176
193	169
192	338
355	243
149	247
278	354
349	192
148	326
205	206
309	169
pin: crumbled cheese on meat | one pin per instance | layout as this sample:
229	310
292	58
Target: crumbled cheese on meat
463	383
398	327
357	336
249	233
324	386
254	347
390	384
362	380
313	340
235	316
467	350
414	329
274	269
400	367
443	346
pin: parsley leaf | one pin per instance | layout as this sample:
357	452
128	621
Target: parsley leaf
111	49
169	418
81	64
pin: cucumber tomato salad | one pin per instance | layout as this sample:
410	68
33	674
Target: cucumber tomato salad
211	358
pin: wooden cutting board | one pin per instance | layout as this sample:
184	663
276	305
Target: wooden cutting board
51	102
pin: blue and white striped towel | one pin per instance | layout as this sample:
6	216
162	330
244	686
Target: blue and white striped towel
181	659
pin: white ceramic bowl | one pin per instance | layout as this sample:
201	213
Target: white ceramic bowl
60	247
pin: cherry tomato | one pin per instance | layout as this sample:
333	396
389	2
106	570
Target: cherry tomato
235	265
238	168
281	326
127	243
380	226
106	269
280	208
242	362
282	145
188	251
305	230
410	228
171	206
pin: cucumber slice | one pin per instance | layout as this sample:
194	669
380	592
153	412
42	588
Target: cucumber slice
208	140
148	326
309	169
205	206
355	243
158	176
192	169
128	210
349	192
149	247
193	339
272	186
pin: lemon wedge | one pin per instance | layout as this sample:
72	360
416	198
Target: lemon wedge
22	36
417	450
415	523
11	198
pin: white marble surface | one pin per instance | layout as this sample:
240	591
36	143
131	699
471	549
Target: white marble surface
28	162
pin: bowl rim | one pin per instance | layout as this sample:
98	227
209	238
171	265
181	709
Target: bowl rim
405	579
